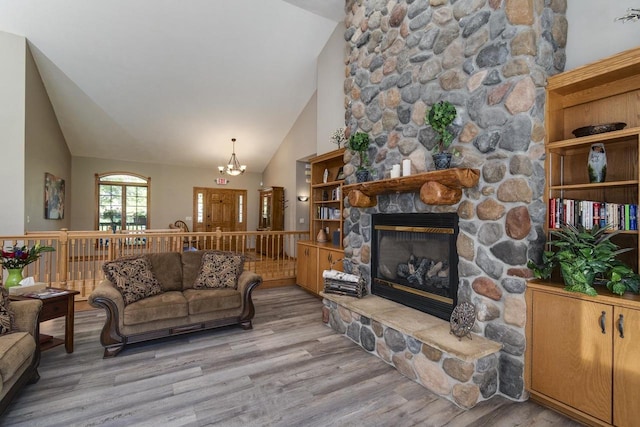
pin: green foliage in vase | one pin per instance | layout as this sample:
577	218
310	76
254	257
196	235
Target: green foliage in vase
19	257
359	142
585	256
439	117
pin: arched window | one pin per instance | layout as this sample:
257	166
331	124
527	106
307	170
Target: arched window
122	202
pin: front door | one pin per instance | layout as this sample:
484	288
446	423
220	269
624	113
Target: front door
221	210
213	208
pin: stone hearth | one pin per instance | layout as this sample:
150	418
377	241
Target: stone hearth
419	346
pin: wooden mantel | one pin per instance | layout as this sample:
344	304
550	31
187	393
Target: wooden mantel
441	187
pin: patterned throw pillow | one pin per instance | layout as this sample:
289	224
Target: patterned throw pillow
219	270
133	277
6	313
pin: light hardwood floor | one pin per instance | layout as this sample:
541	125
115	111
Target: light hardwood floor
290	370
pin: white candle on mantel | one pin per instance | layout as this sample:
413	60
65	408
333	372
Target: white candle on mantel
406	167
395	171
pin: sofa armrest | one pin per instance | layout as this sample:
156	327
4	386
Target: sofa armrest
26	315
106	296
247	281
106	291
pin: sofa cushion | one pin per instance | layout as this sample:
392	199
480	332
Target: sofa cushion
207	300
219	270
15	349
167	267
167	305
6	313
133	277
190	267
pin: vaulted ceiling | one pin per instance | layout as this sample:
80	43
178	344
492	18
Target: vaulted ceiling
172	81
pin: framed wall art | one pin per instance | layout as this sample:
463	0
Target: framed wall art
53	197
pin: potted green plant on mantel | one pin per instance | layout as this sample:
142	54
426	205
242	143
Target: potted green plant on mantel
439	117
359	142
587	256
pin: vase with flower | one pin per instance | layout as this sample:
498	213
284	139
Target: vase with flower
16	258
338	137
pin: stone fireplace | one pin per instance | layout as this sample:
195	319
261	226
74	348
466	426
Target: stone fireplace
415	262
490	58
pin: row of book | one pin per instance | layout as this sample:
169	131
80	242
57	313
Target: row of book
589	213
325	212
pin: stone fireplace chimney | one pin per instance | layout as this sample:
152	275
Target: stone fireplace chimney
490	58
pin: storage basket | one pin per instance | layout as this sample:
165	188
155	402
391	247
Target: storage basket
337	282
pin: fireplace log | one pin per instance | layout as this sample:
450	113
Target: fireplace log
435	193
361	200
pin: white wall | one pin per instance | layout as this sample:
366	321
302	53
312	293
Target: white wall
171	190
282	170
310	134
45	151
593	32
330	92
12	133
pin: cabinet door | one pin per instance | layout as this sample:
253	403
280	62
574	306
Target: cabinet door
626	370
306	267
327	257
571	358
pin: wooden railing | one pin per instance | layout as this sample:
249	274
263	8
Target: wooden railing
77	261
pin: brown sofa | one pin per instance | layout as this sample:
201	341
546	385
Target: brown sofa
20	351
178	309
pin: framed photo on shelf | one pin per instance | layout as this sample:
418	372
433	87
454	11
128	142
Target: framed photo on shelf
340	175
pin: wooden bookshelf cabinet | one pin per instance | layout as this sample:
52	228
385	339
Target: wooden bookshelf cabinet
607	91
325	213
326	195
582	354
313	259
578	360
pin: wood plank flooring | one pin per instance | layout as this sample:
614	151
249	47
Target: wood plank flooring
290	370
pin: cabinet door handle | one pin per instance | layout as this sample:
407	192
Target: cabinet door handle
621	325
603	319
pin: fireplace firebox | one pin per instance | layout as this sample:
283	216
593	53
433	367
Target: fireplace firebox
415	260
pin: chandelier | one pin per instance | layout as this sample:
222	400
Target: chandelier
233	167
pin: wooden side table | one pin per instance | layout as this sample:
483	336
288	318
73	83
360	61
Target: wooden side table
59	304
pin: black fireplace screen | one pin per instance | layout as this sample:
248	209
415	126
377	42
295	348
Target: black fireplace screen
415	261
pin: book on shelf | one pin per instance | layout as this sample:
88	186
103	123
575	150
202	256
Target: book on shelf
325	212
588	213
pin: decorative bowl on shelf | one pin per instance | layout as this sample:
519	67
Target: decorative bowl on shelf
596	129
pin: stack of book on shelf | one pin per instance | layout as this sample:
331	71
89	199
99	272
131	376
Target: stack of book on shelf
337	282
325	212
588	213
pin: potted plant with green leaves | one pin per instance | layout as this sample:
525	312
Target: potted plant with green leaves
439	117
359	142
584	257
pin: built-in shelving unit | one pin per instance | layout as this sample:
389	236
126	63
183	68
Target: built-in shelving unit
580	356
325	214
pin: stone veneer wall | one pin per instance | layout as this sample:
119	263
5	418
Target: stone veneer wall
490	58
